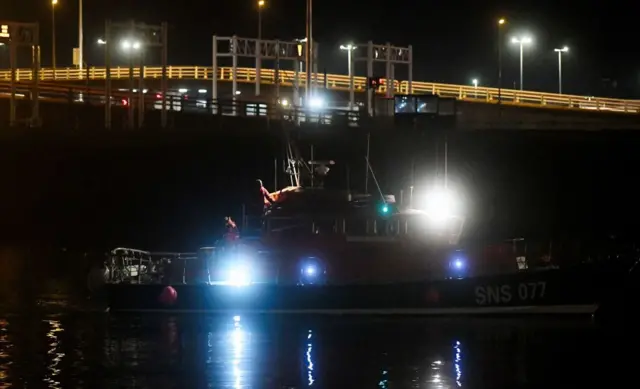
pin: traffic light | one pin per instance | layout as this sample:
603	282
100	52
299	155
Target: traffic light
385	209
374	82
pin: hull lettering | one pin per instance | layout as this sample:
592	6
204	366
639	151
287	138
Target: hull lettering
525	292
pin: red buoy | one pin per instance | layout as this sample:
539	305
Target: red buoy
168	296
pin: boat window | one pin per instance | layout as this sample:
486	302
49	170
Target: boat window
289	227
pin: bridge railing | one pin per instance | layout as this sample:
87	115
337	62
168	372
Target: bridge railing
341	83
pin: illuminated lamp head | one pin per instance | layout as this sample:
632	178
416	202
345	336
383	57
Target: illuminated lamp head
441	204
311	271
457	266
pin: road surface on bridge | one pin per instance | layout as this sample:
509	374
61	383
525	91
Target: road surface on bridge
340	83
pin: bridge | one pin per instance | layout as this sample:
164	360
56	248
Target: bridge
339	82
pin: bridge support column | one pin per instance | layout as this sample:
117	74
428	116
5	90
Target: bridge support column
410	75
370	74
140	38
130	106
35	93
164	82
141	107
352	95
234	71
391	56
258	65
315	66
277	71
296	83
14	72
388	70
214	76
107	82
15	35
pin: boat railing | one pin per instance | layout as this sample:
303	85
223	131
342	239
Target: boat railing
127	265
398	227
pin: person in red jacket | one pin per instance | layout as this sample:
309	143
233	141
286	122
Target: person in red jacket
266	196
232	233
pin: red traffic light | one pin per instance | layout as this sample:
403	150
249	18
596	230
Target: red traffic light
375	82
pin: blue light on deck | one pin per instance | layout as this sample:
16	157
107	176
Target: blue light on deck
457	267
311	272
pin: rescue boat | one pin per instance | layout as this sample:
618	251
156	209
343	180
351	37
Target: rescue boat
321	251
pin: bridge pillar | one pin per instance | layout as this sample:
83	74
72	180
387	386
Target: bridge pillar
19	35
214	75
234	71
259	50
140	37
391	56
258	65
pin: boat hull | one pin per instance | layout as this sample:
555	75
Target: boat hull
537	292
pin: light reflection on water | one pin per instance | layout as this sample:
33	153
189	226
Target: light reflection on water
243	352
55	354
5	354
237	343
309	358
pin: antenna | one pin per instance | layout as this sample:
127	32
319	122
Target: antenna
366	177
376	181
446	162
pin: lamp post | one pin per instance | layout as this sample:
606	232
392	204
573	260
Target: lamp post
53	33
80	37
521	41
501	22
560	51
131	46
261	4
349	48
308	55
475	86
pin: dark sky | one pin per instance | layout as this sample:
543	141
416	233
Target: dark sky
453	41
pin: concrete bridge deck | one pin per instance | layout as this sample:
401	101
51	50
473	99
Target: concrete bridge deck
68	106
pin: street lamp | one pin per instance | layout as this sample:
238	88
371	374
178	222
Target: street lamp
53	33
261	4
80	36
128	45
102	41
501	22
560	51
349	48
525	40
475	86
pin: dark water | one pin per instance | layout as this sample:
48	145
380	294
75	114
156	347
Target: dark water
145	351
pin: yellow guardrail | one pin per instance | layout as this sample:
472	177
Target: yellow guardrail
341	82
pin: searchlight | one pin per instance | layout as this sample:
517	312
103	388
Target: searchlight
317	102
237	274
441	204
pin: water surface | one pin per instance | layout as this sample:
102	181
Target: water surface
189	351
